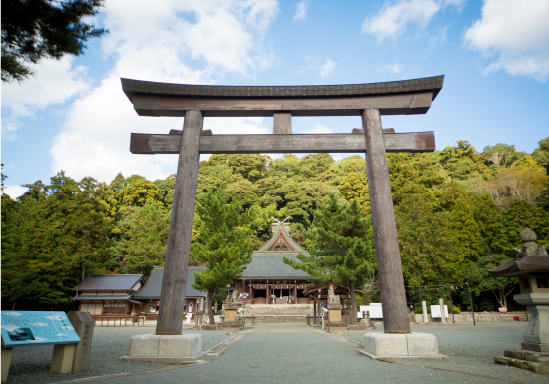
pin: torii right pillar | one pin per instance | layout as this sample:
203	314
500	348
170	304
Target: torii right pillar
389	265
397	340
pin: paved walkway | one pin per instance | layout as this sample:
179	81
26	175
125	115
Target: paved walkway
295	353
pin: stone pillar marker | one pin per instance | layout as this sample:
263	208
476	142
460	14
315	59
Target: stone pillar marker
83	325
425	313
442	312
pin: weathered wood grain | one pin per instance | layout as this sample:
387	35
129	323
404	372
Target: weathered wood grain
395	104
389	265
174	283
282	123
328	143
83	324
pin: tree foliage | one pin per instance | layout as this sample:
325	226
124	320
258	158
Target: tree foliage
225	243
340	253
452	207
55	234
37	29
500	287
147	236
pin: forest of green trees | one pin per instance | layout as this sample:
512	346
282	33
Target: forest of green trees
458	211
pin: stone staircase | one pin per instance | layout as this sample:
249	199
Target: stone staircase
279	313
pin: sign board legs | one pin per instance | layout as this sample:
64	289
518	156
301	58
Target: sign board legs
389	265
6	360
174	284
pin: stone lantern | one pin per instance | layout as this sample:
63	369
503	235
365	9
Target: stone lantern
531	266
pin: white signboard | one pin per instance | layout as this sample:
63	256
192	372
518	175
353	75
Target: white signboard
363	308
374	309
435	311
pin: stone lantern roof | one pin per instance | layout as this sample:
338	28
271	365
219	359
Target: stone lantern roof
530	258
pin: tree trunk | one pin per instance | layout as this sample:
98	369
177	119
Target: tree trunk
83	271
500	298
353	308
209	296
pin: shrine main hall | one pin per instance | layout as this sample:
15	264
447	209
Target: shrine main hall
267	279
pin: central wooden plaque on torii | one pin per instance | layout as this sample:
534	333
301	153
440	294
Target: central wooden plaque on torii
370	101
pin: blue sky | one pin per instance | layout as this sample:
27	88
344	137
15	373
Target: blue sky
73	115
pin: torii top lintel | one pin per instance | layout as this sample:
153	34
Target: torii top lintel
390	98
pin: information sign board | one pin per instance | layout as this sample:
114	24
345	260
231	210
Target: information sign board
435	311
27	328
374	309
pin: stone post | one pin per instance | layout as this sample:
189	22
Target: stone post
442	313
83	325
425	313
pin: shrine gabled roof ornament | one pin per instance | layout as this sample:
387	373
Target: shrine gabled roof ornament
281	242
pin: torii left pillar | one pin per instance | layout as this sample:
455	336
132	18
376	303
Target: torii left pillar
174	285
169	345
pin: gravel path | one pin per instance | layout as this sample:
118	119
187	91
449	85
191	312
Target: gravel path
295	353
32	364
471	349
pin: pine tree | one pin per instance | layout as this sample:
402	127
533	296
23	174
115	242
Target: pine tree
340	254
224	245
38	29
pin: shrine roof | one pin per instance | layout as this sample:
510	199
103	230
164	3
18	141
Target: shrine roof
272	266
425	84
153	286
108	283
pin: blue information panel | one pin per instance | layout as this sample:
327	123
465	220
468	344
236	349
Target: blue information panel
27	328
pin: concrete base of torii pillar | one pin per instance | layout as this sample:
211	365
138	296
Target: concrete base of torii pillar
165	349
382	346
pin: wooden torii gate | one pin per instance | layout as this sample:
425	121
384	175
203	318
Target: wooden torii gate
369	101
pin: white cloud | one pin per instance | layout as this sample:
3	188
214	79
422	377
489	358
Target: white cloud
54	82
55	317
318	128
328	68
40	324
160	43
301	10
14	191
515	34
394	68
393	19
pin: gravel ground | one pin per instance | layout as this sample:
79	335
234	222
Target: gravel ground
471	349
295	353
32	364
